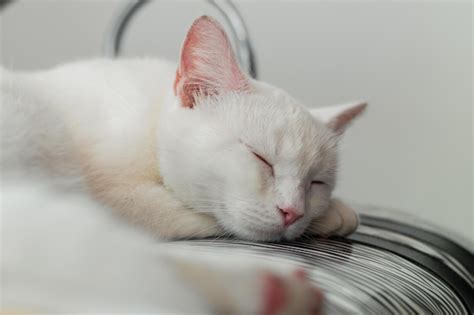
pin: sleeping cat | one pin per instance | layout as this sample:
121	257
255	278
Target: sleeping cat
201	151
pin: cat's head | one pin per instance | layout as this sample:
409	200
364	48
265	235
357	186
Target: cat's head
244	151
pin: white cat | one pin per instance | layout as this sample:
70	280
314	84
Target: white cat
203	151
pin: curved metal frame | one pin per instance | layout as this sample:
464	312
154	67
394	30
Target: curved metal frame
4	3
239	33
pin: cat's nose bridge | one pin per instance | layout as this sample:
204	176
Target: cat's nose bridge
291	194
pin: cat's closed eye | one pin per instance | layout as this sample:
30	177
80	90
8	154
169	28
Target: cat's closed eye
261	158
317	182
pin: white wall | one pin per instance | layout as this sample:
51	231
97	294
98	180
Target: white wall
411	60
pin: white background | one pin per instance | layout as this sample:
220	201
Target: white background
411	60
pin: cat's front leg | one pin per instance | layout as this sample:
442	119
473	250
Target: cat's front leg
152	206
339	219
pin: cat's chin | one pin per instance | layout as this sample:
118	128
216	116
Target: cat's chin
291	235
265	235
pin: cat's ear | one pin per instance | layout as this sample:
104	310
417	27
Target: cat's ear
207	65
339	117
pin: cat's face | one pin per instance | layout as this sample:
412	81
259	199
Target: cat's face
244	151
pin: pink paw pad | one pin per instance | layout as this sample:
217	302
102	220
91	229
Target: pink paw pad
301	274
317	302
274	295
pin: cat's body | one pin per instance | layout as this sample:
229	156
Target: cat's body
202	152
104	116
62	251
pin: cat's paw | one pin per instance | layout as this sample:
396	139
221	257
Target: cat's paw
234	289
339	220
267	293
292	294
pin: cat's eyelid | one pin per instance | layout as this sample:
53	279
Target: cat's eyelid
261	158
258	156
318	182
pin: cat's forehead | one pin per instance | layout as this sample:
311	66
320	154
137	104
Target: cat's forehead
278	126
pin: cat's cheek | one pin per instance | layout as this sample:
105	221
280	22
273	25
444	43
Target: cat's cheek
246	228
260	184
231	224
318	203
246	180
297	229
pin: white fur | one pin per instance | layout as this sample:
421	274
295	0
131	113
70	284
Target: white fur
209	148
220	118
90	136
105	108
64	253
61	252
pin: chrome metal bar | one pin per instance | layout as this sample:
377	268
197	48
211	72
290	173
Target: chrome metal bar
114	37
4	3
239	33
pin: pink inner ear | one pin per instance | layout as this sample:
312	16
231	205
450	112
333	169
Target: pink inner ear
207	65
341	121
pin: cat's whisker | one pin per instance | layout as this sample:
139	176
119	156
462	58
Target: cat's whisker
254	216
220	236
200	232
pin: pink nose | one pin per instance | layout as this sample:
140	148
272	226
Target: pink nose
290	215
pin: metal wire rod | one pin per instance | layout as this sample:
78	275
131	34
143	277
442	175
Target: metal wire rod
239	33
